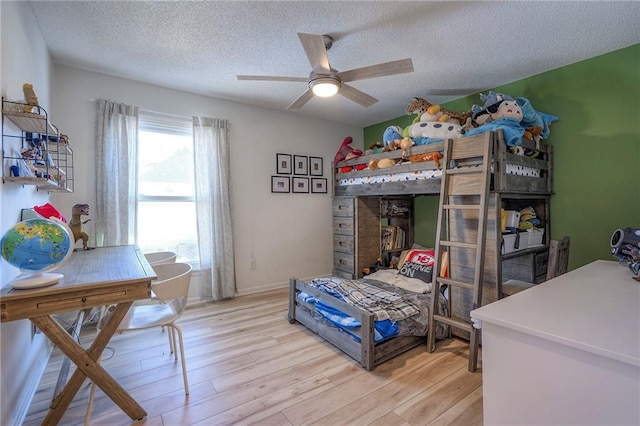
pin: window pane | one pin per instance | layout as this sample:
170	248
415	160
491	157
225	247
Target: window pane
165	164
169	226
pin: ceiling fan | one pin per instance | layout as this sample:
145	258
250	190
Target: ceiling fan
325	81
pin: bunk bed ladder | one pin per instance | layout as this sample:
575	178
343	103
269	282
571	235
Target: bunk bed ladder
463	208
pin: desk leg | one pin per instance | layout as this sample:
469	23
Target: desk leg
87	365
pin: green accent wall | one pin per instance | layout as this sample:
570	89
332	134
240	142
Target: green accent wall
596	145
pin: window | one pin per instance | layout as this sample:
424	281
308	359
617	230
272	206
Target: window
166	191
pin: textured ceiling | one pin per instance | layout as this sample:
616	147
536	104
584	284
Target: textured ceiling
458	48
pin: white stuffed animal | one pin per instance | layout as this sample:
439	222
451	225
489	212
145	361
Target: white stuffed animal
435	130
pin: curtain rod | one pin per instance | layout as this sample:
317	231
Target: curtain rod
156	112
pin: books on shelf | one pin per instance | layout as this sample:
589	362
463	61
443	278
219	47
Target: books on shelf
393	237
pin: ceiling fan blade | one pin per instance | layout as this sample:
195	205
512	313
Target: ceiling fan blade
313	45
302	99
269	78
357	96
388	68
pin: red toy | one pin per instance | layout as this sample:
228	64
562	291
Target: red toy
346	151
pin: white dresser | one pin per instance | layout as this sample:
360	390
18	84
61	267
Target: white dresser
564	352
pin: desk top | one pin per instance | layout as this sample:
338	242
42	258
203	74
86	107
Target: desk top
89	275
595	308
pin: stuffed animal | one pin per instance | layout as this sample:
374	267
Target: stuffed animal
500	112
434	156
404	144
374	148
435	131
383	163
536	123
346	150
391	133
420	106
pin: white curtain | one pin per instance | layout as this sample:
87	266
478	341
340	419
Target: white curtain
116	170
213	208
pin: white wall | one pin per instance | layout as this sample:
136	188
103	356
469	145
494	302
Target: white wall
23	356
287	234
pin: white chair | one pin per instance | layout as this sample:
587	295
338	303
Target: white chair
160	257
171	289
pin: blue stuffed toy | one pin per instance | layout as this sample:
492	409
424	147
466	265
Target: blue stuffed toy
512	116
505	114
391	133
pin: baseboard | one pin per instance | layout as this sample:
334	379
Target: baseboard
19	414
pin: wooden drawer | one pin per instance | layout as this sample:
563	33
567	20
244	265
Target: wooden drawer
48	304
343	243
343	226
344	262
343	206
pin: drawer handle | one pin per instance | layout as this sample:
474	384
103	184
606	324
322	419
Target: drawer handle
341	225
84	300
342	262
341	207
341	243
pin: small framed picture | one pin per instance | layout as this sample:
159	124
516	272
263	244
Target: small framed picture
315	166
280	184
300	184
300	165
319	185
283	164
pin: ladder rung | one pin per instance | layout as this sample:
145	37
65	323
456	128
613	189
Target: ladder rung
453	322
466	170
462	284
458	244
461	206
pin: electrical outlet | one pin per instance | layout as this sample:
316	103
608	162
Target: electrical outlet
253	264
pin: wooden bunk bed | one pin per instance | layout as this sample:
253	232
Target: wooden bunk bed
515	179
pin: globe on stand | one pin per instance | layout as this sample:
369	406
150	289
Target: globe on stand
36	247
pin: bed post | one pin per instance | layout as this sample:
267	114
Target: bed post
292	301
367	341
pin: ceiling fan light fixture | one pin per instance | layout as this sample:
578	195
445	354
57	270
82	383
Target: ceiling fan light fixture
324	87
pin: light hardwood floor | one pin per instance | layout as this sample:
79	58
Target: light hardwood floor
248	365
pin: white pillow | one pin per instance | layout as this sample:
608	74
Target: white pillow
392	276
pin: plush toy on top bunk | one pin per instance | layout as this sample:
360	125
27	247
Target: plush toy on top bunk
347	152
515	117
426	111
434	123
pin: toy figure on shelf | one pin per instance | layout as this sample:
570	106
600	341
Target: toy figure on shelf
30	97
76	223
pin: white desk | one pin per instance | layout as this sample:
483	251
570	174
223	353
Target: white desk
566	351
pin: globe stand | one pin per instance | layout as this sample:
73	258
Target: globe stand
35	280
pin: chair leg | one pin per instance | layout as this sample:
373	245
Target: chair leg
92	395
178	330
172	341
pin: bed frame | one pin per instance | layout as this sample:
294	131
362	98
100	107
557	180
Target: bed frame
502	181
366	352
503	184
